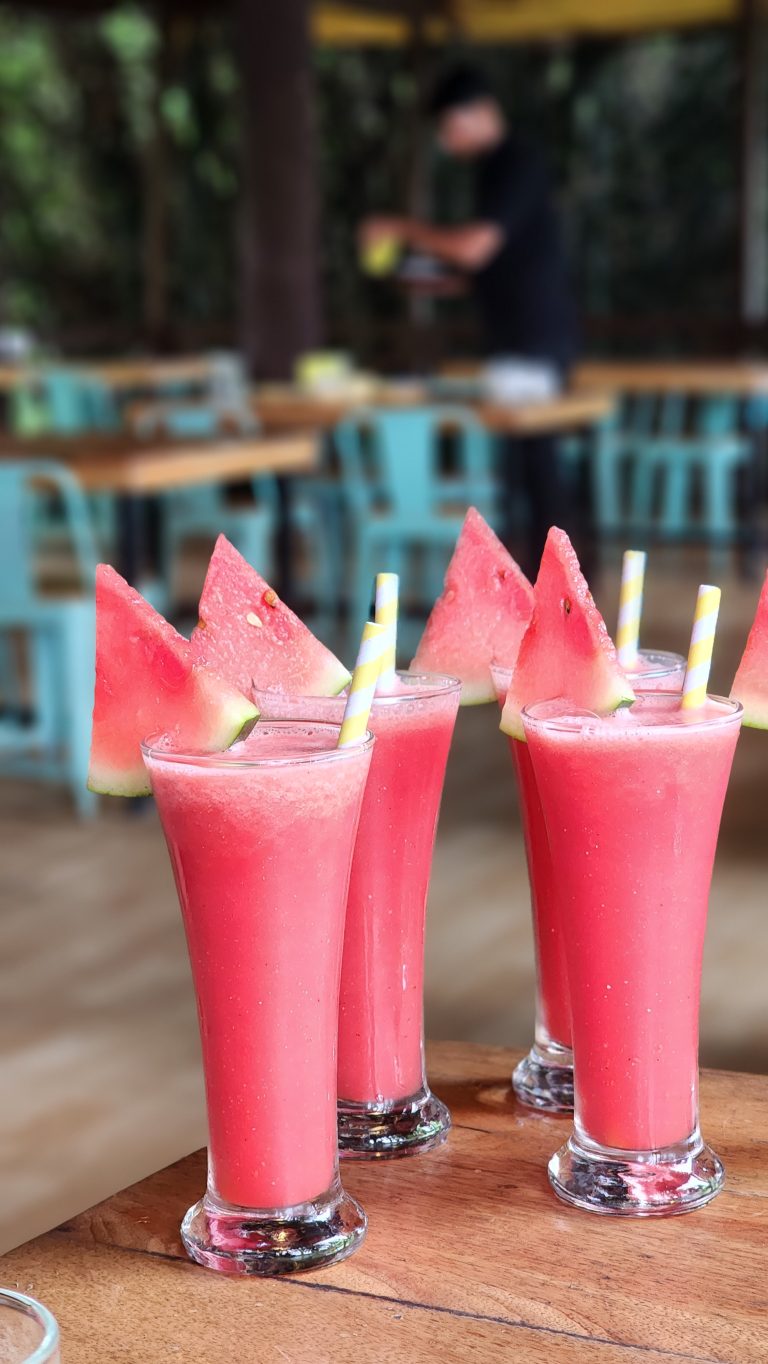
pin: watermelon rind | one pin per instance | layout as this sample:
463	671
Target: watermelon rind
148	683
481	614
750	685
585	656
246	634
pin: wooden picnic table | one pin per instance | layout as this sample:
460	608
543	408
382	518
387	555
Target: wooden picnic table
136	470
695	377
286	408
469	1256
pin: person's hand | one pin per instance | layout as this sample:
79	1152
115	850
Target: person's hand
380	229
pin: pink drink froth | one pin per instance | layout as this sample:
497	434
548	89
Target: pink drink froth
632	804
381	1012
654	672
261	856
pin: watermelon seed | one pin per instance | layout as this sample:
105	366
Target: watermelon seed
270	598
253	619
567	605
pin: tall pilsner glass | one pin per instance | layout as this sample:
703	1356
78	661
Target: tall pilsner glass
261	840
386	1107
544	1078
632	804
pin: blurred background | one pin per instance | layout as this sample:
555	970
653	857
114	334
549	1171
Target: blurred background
312	274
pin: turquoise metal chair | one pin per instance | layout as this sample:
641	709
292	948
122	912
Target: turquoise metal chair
46	685
205	511
708	449
403	516
618	445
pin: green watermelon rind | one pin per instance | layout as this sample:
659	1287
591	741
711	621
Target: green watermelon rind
750	685
512	720
237	715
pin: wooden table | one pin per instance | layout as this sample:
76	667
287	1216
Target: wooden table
469	1257
123	465
288	409
134	471
122	375
742	378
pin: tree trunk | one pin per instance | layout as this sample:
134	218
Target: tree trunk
280	246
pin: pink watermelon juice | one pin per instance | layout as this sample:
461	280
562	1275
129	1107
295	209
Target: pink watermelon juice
381	1031
632	805
261	839
654	671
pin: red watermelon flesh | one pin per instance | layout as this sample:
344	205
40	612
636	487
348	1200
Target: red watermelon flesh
250	637
750	685
480	617
147	683
566	650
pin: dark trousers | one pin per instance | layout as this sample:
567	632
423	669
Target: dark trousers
530	474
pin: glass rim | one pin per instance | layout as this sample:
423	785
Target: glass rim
673	664
436	685
150	748
733	711
40	1314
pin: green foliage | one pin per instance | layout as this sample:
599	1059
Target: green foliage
642	136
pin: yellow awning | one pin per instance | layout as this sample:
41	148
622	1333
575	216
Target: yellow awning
494	21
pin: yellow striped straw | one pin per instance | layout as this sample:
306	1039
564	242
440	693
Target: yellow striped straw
363	684
702	643
630	606
387	593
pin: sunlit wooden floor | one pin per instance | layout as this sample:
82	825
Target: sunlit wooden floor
100	1079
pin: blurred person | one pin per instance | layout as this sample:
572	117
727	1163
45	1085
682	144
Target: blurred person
510	252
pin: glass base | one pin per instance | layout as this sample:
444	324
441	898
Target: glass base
544	1078
674	1179
269	1241
399	1128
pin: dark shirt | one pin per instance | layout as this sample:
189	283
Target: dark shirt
523	293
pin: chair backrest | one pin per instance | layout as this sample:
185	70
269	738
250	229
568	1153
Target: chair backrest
21	483
390	456
717	415
76	402
671	414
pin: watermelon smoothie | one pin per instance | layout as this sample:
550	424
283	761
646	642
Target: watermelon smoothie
260	839
544	1079
632	805
385	1105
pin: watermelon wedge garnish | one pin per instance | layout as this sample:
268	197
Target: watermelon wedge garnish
750	685
147	683
566	650
250	637
481	616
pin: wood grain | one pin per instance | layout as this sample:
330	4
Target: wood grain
142	372
287	409
467	1250
672	376
104	464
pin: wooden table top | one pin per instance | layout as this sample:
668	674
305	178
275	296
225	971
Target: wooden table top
287	408
133	372
124	465
673	376
469	1256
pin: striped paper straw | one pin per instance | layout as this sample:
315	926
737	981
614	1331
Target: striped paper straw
702	643
387	592
630	606
363	684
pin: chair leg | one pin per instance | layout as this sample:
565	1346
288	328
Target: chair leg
675	494
719	496
78	650
606	476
